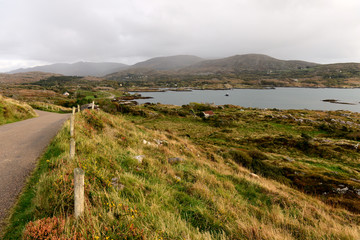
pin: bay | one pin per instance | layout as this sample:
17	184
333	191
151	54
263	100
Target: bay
281	98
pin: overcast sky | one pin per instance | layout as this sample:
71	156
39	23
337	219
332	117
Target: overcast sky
36	32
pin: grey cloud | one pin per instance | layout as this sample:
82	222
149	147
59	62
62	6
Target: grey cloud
124	30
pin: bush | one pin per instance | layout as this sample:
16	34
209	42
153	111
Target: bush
241	157
256	154
46	228
93	119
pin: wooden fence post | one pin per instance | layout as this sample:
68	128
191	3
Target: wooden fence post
72	125
72	148
73	110
78	108
93	105
79	192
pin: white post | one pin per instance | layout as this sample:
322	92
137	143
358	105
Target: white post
79	192
72	125
72	148
78	108
73	110
93	105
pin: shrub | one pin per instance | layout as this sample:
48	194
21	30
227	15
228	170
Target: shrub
94	120
256	154
46	228
241	157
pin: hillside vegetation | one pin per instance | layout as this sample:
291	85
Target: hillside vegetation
162	172
12	111
186	71
25	77
77	69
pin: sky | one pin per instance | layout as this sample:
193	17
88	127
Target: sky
39	32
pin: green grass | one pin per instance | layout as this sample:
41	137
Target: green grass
13	111
279	137
49	107
23	212
208	196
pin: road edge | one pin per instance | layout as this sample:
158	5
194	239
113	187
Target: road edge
22	206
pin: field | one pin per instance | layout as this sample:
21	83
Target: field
166	172
12	111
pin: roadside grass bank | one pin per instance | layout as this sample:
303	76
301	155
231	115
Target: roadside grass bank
23	211
143	181
48	107
12	111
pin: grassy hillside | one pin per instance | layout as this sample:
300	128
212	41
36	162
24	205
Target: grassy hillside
26	77
49	107
247	62
168	63
12	111
209	194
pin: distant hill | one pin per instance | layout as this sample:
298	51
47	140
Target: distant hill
168	63
355	67
77	69
248	62
26	77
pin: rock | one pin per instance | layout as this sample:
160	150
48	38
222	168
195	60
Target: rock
357	191
254	175
117	185
146	142
355	180
175	160
289	159
309	121
341	190
159	142
139	158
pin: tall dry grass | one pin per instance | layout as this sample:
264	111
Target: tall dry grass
12	110
200	198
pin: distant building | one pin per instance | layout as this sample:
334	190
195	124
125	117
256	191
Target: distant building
66	94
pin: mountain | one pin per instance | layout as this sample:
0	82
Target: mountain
77	69
168	63
247	62
25	77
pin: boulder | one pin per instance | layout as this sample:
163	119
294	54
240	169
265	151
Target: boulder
175	160
117	185
139	158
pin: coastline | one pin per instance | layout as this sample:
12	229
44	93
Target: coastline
234	88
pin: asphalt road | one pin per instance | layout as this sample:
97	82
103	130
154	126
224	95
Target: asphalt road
21	144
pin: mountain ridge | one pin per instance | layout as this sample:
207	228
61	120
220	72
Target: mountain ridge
169	62
184	65
249	62
97	69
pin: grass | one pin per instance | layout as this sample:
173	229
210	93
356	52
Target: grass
207	196
23	212
12	111
298	146
49	107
